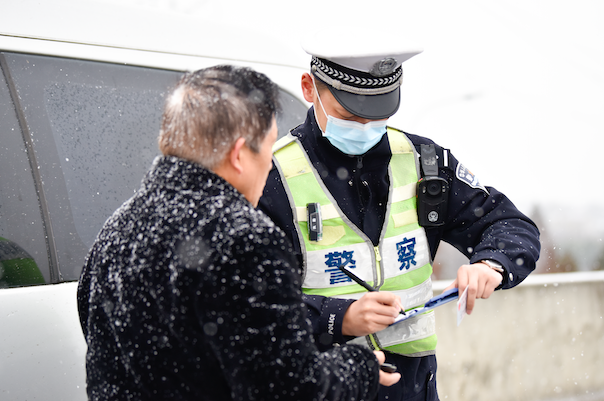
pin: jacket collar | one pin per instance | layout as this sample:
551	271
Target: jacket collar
178	174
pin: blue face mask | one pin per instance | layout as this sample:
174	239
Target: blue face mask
351	137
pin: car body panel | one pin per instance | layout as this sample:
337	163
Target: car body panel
154	27
43	349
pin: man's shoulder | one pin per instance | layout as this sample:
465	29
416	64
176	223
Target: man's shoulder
244	221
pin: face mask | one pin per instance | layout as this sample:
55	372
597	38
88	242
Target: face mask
351	137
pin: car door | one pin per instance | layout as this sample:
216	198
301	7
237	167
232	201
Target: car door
76	138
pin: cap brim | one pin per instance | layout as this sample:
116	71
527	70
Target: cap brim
373	107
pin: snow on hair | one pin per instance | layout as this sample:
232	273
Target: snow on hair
210	109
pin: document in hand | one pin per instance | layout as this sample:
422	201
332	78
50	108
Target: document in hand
438	300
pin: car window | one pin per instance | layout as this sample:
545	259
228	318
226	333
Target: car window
292	113
23	251
93	128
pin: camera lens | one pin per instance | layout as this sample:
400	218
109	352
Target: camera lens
433	188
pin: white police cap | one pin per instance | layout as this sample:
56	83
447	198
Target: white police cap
364	74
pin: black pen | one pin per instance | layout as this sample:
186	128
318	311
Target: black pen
355	278
360	282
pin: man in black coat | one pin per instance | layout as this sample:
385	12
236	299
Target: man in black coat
354	87
189	292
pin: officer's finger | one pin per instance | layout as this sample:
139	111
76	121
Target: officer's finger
451	286
380	321
462	278
373	300
481	287
472	291
383	297
399	305
492	279
383	314
372	311
385	303
486	292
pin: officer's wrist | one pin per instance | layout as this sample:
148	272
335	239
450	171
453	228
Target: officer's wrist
498	267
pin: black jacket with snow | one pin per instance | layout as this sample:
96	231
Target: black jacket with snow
190	293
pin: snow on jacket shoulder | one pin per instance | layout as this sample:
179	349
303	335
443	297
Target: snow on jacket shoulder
191	293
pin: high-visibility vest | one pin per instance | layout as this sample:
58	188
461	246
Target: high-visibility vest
401	263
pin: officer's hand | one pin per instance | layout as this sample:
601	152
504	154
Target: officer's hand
386	379
480	279
373	312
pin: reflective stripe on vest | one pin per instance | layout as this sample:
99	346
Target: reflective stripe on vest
401	263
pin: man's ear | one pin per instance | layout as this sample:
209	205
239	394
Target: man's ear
235	155
308	88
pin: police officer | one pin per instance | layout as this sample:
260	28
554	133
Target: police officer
344	187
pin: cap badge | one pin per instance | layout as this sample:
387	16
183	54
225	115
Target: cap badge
383	67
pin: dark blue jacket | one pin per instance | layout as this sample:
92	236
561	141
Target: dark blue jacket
481	225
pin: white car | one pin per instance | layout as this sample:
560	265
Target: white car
80	106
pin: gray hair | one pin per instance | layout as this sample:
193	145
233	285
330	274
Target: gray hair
211	108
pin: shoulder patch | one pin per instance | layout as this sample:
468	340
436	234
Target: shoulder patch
466	176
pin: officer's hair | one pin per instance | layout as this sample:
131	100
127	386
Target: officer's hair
321	86
210	109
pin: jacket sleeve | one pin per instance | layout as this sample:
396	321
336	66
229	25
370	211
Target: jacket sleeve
326	315
482	223
268	351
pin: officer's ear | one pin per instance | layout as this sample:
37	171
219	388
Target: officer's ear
308	88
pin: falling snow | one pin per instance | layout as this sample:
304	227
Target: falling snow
191	293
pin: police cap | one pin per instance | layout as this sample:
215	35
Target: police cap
363	74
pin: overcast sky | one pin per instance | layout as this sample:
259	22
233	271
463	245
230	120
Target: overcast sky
515	89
